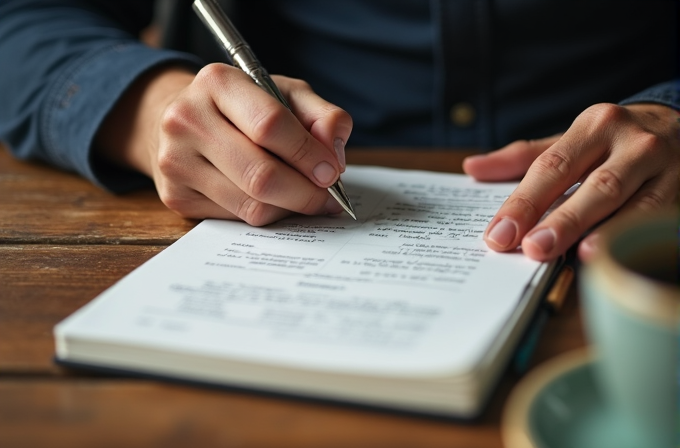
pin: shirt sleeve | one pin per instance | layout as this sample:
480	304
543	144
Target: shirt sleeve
667	93
65	65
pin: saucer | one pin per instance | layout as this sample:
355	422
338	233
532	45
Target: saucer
559	405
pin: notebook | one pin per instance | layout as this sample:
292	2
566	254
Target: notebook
405	308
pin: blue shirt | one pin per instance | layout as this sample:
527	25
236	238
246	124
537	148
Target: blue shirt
444	73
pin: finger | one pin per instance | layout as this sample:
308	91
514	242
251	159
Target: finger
173	173
192	134
211	195
601	193
226	195
269	124
189	203
508	163
548	177
252	176
605	190
327	122
255	211
660	192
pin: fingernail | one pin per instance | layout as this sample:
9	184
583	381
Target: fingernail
339	146
333	207
503	233
544	239
325	173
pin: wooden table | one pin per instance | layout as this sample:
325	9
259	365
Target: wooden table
63	241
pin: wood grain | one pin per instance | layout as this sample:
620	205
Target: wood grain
120	413
43	205
443	160
40	204
42	284
63	241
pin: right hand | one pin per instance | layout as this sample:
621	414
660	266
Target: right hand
218	146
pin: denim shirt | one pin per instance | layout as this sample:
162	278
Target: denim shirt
444	73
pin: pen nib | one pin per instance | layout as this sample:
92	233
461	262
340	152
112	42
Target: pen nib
337	190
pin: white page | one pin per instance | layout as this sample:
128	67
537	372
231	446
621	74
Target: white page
408	289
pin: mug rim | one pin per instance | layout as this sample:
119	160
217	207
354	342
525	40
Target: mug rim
664	304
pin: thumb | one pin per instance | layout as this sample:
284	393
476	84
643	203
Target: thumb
509	162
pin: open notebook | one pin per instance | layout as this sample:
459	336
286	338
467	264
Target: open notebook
405	308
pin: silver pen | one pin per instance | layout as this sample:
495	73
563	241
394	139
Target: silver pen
243	57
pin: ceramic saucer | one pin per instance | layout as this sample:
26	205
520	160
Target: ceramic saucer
558	405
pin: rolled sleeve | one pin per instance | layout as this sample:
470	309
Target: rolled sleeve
66	64
667	93
80	100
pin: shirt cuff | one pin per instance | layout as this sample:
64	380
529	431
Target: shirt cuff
80	100
667	93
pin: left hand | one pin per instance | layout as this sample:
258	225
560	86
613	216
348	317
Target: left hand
628	158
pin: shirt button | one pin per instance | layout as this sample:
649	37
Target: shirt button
462	114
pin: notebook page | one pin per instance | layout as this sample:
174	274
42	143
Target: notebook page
408	289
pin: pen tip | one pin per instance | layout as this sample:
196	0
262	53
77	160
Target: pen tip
337	190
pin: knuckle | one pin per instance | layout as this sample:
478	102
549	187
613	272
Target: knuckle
177	119
652	200
341	115
604	113
553	163
525	206
265	123
252	211
313	204
211	73
608	183
648	143
170	161
258	178
178	204
301	150
347	117
330	111
569	219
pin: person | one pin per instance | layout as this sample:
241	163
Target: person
569	91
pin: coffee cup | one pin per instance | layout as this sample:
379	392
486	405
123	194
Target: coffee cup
631	295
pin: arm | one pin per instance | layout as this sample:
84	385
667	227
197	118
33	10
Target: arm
202	139
215	144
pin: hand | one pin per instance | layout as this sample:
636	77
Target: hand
216	145
628	158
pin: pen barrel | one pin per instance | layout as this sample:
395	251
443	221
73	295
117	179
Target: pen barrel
262	79
236	47
214	18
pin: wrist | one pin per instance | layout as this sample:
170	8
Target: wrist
129	134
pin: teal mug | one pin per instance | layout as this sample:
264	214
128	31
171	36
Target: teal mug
631	294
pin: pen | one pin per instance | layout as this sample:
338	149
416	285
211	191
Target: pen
553	303
243	57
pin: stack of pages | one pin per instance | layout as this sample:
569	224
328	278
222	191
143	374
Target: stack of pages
405	308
